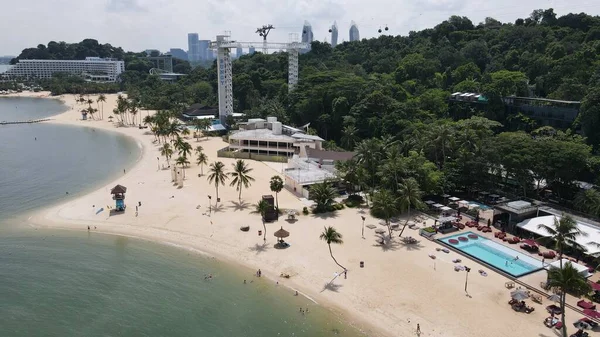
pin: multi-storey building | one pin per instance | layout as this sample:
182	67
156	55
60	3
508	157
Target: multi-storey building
205	52
334	34
92	68
193	47
307	36
354	34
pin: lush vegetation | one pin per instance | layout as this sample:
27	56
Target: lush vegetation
387	99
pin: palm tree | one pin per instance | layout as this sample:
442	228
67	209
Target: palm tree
568	280
563	233
588	201
166	151
202	160
331	235
349	137
101	99
183	162
184	148
261	208
276	185
385	204
241	177
323	194
217	175
199	125
410	195
199	149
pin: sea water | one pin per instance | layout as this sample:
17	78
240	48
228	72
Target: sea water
64	283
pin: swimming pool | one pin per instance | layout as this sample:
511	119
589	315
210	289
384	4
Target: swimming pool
493	253
481	206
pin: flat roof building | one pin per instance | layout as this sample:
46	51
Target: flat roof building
92	69
272	138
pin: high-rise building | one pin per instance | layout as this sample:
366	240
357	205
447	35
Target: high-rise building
92	68
204	51
307	35
193	47
251	50
179	53
354	34
238	52
334	35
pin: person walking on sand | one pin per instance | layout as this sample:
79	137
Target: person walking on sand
418	330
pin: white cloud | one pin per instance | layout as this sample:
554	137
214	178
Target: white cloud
141	24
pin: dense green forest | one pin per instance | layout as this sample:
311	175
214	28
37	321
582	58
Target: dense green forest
387	99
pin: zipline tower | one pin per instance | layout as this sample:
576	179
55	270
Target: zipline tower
223	47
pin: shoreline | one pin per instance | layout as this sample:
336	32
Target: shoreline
39	218
399	286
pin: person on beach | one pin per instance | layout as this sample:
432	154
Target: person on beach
244	281
88	228
296	294
418	329
259	273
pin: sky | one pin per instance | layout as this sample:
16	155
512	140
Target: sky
136	25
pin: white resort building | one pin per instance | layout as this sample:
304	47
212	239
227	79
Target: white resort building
92	68
271	138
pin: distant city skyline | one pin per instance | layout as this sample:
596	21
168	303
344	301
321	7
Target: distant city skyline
133	24
334	34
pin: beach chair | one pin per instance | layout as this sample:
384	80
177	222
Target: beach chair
537	298
509	285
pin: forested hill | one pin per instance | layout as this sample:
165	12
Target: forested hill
72	51
378	85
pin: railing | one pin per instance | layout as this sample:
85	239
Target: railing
226	153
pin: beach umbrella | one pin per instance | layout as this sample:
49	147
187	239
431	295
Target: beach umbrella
519	295
554	298
281	233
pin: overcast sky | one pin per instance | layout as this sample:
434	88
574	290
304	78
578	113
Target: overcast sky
162	24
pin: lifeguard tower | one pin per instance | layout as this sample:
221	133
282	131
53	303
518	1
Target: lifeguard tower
118	193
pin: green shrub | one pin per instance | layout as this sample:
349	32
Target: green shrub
353	200
305	210
429	229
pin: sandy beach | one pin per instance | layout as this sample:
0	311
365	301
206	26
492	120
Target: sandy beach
399	287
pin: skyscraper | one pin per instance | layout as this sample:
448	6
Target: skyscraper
193	47
307	35
203	50
354	35
251	50
238	52
334	34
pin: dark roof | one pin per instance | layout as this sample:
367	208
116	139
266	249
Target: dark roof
330	155
118	189
201	110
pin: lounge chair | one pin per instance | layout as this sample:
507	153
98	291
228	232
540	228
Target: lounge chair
529	310
537	298
586	305
509	285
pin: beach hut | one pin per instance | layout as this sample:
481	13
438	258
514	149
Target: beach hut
118	193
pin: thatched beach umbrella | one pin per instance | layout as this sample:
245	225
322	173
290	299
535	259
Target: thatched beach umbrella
519	295
281	233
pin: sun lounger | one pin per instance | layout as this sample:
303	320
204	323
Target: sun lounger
586	305
537	298
509	285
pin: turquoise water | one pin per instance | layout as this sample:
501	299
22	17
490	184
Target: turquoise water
494	254
63	283
481	206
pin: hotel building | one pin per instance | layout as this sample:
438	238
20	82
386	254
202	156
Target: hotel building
92	68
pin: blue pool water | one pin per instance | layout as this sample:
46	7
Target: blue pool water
481	206
494	254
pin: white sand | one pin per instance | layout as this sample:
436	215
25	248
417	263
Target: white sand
398	287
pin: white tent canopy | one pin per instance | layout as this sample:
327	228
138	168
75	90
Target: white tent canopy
430	202
438	205
445	208
583	270
463	203
453	199
590	240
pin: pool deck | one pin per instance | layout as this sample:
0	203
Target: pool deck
531	281
497	246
